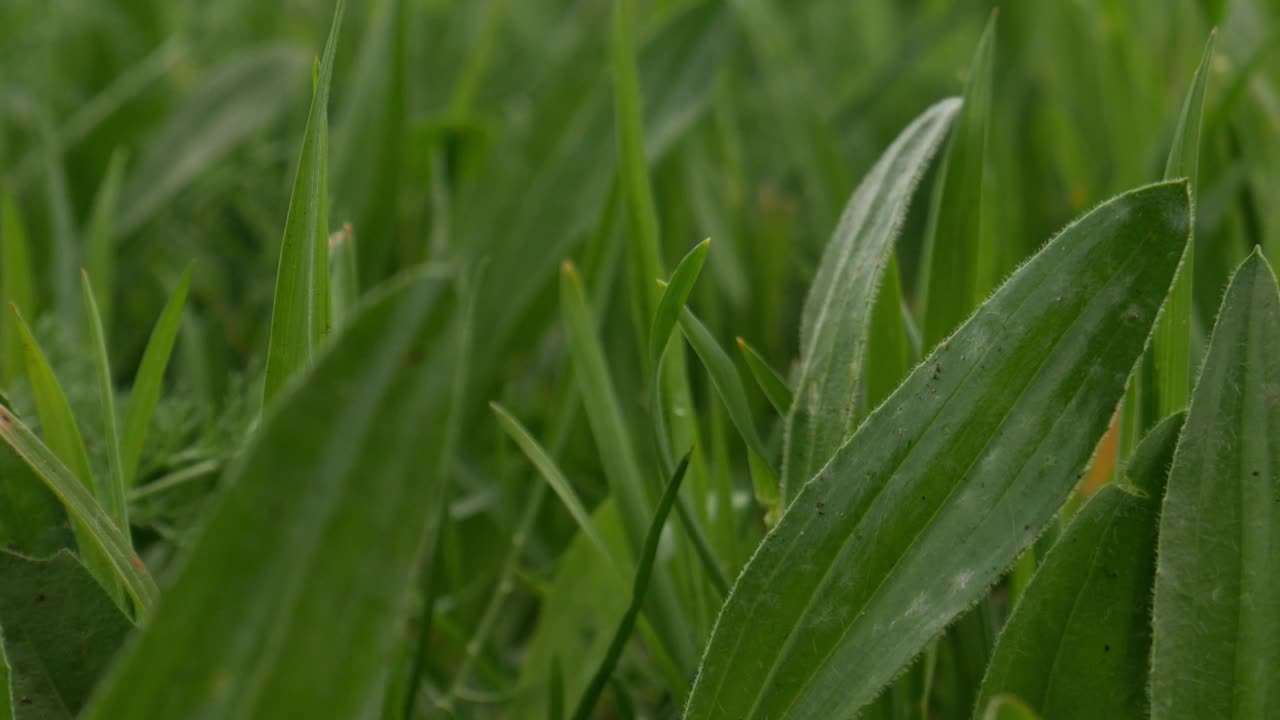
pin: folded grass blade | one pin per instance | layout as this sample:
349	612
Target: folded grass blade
940	488
837	311
300	314
1216	647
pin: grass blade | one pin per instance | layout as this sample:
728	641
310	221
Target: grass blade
150	378
952	476
551	473
1008	707
330	500
1216	650
890	357
1078	643
15	286
674	297
100	237
952	276
770	381
1172	342
300	313
644	570
112	488
836	318
96	533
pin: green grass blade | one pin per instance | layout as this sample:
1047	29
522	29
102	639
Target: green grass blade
15	286
674	297
111	488
889	358
770	381
1078	643
1216	650
344	280
551	472
728	385
1172	342
952	276
836	317
150	379
100	237
300	313
60	632
644	569
333	498
96	533
950	479
1008	707
613	441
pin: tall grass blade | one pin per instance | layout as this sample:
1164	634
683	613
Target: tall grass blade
1077	645
333	498
770	381
111	489
300	314
150	379
942	487
1216	623
837	310
100	237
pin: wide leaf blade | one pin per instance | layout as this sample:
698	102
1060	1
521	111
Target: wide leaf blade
942	486
1216	650
837	311
326	515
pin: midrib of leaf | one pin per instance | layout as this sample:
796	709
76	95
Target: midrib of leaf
941	506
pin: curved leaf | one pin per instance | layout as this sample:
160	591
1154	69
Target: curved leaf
943	485
1078	642
1216	651
327	514
837	311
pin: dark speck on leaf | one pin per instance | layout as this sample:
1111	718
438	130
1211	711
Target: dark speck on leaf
1106	648
40	598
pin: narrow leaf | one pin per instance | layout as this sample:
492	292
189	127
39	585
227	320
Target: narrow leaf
330	500
111	489
150	378
300	314
15	286
952	275
638	589
100	239
60	632
770	381
837	311
1007	707
940	488
674	297
1078	642
890	358
1172	342
1216	651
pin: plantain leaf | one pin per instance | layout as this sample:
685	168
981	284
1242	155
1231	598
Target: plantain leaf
940	488
1172	343
147	383
836	319
300	314
954	280
1077	645
327	514
1216	650
60	632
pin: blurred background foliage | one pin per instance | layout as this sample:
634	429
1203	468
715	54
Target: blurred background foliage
137	136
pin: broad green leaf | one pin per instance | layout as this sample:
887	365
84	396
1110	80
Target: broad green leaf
331	502
550	472
150	378
1078	643
728	385
1007	707
941	487
837	310
771	383
640	585
60	631
100	541
1216	650
15	286
300	313
1172	341
953	278
100	238
236	100
62	435
111	489
617	455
